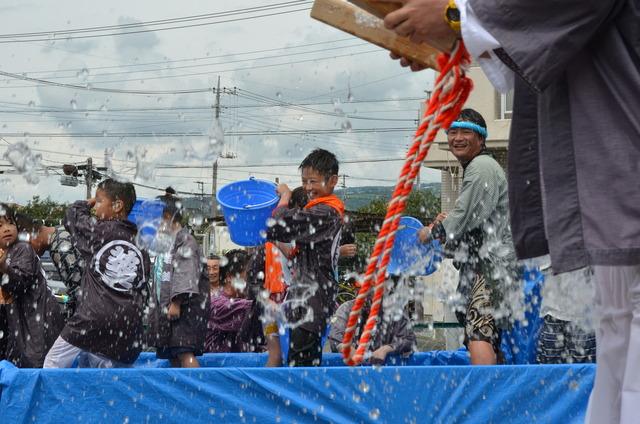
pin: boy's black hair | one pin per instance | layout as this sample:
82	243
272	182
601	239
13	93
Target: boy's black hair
116	190
9	213
471	115
172	205
321	161
23	222
237	261
299	198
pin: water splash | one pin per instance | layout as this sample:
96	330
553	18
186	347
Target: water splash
27	163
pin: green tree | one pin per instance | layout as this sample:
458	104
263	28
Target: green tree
421	204
45	210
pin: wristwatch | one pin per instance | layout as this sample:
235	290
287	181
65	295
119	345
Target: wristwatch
452	16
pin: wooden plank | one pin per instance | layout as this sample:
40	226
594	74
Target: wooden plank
350	18
376	8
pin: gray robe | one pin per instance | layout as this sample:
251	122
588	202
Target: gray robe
181	276
479	237
582	57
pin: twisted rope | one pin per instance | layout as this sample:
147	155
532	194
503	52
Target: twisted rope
450	93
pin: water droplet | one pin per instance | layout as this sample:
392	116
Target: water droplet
346	126
364	387
374	414
278	94
196	220
83	74
74	104
31	103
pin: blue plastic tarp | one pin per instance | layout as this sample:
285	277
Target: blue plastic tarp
251	393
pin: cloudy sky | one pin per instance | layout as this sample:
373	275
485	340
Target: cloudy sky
291	84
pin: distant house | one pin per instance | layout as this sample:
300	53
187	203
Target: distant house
199	205
496	109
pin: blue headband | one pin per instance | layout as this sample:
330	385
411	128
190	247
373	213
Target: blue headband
470	126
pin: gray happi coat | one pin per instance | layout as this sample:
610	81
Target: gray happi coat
181	276
579	67
478	234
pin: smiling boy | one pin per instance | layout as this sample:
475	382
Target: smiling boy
316	231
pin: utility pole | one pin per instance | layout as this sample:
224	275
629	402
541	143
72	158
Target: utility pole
202	202
344	186
88	176
226	155
214	183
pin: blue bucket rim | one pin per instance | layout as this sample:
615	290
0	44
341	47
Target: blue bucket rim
275	200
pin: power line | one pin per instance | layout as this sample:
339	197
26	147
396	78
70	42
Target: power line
226	62
106	134
92	87
204	108
195	59
24	37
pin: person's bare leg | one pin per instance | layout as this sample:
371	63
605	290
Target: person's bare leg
175	362
188	360
482	353
275	351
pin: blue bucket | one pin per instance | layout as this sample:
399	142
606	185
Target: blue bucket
408	251
147	215
246	206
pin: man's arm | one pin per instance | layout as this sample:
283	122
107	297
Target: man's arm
338	325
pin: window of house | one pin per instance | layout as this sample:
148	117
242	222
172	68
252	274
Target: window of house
506	105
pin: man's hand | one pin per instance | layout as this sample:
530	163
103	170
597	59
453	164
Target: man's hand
348	250
422	21
379	356
404	62
284	192
424	234
174	310
441	217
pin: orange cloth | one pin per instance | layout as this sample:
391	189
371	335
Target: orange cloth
330	200
273	276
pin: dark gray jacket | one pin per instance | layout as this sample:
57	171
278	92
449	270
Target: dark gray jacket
34	319
316	232
108	318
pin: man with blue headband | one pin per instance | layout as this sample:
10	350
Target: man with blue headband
477	235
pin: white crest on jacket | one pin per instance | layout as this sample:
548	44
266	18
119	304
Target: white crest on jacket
123	268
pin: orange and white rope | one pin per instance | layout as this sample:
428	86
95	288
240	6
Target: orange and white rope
449	96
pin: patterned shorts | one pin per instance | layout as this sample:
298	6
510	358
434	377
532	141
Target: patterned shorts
479	324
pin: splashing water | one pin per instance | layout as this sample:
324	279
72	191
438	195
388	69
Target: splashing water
144	168
26	162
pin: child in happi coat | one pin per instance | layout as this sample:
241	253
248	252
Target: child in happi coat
32	316
179	293
106	330
316	231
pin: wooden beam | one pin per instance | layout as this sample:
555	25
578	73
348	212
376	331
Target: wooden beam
377	8
350	18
